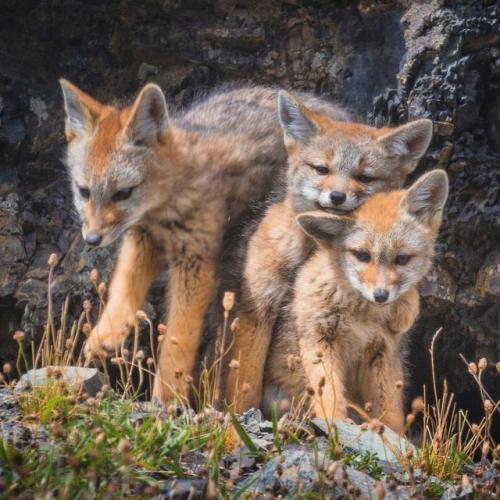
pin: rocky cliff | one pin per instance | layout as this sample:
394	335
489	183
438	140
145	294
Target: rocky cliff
387	61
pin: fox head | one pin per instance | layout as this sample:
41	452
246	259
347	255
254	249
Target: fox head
385	248
111	158
338	165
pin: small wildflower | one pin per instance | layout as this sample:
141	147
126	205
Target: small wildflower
94	276
7	368
410	418
68	343
150	361
417	405
486	449
475	429
53	260
234	364
125	353
162	329
472	368
19	336
101	289
235	325
117	360
139	355
141	315
488	406
482	364
228	301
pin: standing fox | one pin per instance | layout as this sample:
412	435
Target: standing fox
171	186
353	301
333	166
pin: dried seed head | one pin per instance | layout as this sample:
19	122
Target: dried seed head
68	343
174	340
19	336
285	405
321	382
87	306
141	315
228	301
245	387
117	360
150	361
235	325
310	391
100	438
475	429
399	384
161	338
162	329
7	368
234	364
486	449
125	353
368	407
472	368
124	445
488	406
417	405
482	364
53	260
139	355
101	289
86	329
410	418
94	276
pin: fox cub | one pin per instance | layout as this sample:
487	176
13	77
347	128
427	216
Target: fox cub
353	301
171	186
332	166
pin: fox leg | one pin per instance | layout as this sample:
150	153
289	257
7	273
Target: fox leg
191	288
250	347
381	378
137	265
326	379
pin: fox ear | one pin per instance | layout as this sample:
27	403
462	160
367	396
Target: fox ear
81	109
427	197
409	142
149	116
293	119
323	227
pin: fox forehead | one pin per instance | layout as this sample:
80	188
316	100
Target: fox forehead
382	211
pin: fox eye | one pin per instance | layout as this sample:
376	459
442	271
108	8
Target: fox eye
365	179
362	256
84	192
402	260
122	195
320	169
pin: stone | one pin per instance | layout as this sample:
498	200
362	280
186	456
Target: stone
90	378
387	447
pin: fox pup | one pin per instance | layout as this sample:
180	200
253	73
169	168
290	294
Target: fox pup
171	186
353	301
332	166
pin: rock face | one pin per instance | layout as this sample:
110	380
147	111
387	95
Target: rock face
386	61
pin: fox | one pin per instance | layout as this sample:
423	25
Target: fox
333	166
170	186
342	336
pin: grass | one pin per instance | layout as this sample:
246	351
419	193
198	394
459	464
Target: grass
113	445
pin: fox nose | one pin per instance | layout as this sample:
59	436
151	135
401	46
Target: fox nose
93	239
337	197
380	295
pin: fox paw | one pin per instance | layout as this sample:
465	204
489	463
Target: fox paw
103	341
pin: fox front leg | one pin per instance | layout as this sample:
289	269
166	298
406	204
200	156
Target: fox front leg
191	288
138	263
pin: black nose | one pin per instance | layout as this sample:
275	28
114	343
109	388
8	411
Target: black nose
380	295
337	197
93	239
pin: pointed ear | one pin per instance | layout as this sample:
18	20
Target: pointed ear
427	197
294	120
81	109
148	117
321	226
409	142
